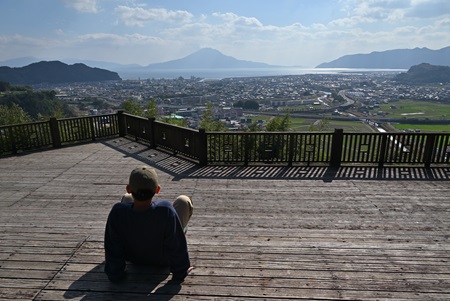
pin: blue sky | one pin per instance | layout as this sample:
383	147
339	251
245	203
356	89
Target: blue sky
281	32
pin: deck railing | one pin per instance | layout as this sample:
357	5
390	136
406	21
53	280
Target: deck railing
285	148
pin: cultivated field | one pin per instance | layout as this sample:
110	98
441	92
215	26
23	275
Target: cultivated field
412	109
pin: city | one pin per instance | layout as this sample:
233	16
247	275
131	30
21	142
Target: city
351	96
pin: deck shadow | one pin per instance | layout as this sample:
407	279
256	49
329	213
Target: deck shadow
141	283
180	167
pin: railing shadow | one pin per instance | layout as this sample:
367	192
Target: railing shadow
180	168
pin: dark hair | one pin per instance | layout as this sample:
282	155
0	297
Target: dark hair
143	195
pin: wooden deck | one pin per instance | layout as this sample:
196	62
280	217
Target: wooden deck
269	233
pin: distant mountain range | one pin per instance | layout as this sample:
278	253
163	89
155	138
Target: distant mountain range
425	74
204	59
54	72
392	59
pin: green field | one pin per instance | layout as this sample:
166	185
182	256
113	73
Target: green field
412	109
305	124
404	110
422	127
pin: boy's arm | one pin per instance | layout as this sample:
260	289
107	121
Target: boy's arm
114	251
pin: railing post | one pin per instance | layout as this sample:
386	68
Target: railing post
336	148
291	149
246	149
429	148
152	139
12	137
121	120
92	125
203	147
54	130
383	150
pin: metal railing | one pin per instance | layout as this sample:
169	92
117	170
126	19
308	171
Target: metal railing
239	148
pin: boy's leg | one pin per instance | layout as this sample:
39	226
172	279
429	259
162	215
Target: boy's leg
184	208
127	198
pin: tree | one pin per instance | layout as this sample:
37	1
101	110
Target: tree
208	121
130	106
279	124
238	104
254	127
151	109
13	114
251	105
319	126
5	86
97	103
248	104
35	104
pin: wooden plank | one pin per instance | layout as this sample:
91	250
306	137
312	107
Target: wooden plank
7	294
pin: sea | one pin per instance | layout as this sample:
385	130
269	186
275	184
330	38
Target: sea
241	72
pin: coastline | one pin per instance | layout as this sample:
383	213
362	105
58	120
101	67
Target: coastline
241	72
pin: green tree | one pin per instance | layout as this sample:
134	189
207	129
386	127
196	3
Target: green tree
13	114
279	124
35	104
5	86
251	105
151	109
209	123
248	104
238	104
130	106
320	125
97	103
253	127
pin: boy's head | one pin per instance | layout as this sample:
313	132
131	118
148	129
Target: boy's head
143	183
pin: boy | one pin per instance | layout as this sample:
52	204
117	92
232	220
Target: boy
144	231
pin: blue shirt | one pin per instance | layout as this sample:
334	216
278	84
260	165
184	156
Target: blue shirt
154	236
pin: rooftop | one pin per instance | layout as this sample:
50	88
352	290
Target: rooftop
258	232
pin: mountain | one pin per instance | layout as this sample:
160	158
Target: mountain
208	58
392	59
54	72
425	74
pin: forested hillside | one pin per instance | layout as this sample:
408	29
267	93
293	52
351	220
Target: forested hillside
37	104
425	74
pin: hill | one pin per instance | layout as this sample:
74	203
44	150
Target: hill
35	103
425	74
207	58
392	59
54	72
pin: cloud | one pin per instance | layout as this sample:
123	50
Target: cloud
138	16
19	45
370	11
119	40
238	20
370	25
83	6
429	9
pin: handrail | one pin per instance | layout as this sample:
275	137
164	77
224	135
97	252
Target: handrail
237	148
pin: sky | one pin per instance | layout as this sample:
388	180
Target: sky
301	33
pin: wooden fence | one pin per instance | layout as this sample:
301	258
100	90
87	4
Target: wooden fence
286	148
